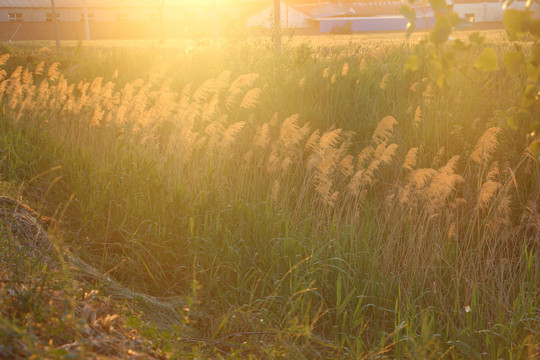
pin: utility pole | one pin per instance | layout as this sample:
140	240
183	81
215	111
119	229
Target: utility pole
277	26
216	25
86	21
161	4
55	21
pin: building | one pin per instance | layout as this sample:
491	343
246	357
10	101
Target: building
141	19
325	17
298	16
490	11
376	16
113	19
323	9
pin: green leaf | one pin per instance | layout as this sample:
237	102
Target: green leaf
534	28
516	21
460	45
530	91
535	126
438	5
532	71
413	63
441	31
459	23
487	61
512	123
535	55
408	13
476	38
534	148
513	60
442	80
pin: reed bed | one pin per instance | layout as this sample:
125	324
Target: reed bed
324	205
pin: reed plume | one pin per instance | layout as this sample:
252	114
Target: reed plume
486	146
384	130
231	134
274	193
326	73
356	183
362	65
53	72
488	192
493	172
214	131
379	150
438	158
222	83
345	69
427	95
289	133
4	59
418	117
244	81
411	159
313	142
251	99
330	139
346	166
273	162
383	84
262	136
364	157
389	154
442	187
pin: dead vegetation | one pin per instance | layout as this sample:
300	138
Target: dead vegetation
54	303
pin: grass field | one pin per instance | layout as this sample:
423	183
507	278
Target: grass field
325	203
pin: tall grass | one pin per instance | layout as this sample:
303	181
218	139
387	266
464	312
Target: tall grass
325	204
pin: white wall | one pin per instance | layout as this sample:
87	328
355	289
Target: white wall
491	11
134	14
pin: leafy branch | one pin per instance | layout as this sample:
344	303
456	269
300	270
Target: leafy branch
442	53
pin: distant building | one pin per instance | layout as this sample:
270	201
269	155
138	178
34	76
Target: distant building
297	16
376	16
490	11
110	19
324	17
139	19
